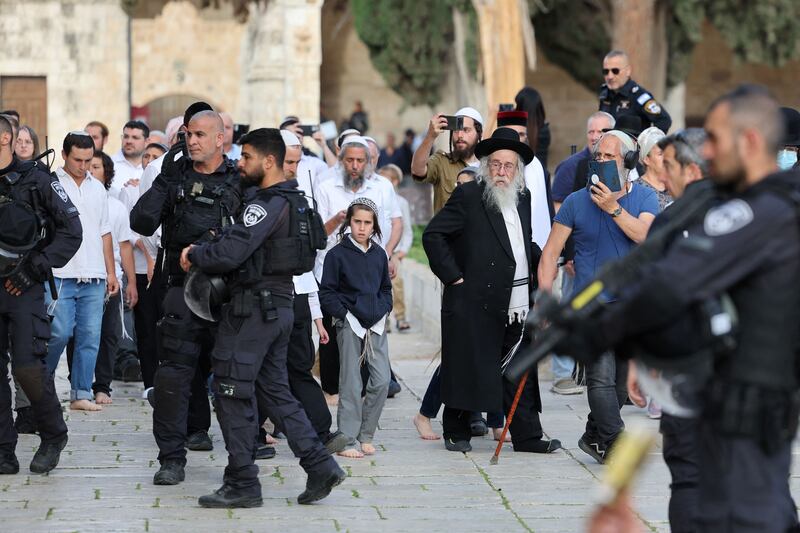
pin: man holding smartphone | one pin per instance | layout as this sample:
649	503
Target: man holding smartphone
441	168
606	223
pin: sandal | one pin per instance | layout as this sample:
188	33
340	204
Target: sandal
402	325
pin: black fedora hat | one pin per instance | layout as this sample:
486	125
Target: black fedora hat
791	120
504	139
627	123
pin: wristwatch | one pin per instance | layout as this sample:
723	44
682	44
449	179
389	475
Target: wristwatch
617	212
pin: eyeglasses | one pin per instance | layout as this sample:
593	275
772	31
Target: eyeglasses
613	71
497	165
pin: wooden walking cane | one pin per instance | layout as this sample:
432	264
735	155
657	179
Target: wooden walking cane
510	416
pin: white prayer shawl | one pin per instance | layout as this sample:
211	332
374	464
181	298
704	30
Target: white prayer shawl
540	209
520	297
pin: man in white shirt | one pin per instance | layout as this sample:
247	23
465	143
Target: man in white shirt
85	280
232	151
128	161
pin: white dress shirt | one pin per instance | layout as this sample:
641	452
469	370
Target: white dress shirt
120	229
91	200
407	239
123	172
540	210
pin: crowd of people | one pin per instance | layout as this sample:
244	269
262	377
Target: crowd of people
193	263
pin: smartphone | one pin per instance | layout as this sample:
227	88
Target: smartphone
454	123
506	107
309	130
238	131
605	172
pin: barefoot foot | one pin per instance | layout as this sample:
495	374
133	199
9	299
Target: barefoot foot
102	398
424	428
271	441
498	432
367	448
352	453
84	405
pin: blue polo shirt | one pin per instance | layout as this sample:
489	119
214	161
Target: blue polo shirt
598	239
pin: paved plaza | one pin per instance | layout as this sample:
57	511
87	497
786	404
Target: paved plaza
104	480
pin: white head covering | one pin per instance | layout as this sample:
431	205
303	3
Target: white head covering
471	113
623	137
356	139
647	139
290	139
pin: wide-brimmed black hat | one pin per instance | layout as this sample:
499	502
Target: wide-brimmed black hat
627	123
504	139
791	121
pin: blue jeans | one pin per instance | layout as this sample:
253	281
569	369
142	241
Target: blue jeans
563	365
78	312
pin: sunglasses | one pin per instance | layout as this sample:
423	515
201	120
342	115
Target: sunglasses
613	71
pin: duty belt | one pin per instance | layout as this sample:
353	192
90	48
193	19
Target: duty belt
264	300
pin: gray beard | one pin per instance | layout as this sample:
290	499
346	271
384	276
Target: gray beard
500	198
350	183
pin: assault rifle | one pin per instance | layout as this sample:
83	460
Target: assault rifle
588	304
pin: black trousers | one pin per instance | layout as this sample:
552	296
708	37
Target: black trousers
680	442
250	376
299	362
329	358
146	315
741	488
181	399
525	426
24	321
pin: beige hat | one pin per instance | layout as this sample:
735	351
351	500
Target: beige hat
647	140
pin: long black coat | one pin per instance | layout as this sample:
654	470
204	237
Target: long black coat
466	239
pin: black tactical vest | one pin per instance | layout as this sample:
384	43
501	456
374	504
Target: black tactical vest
203	203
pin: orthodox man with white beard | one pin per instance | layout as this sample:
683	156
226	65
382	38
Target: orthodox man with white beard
479	246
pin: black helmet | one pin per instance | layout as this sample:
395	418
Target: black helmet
20	231
205	294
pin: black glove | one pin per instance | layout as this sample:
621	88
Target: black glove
172	169
32	271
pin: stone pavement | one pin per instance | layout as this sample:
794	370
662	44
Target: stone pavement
104	481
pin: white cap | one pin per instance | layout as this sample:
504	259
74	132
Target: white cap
356	139
345	133
647	139
471	113
623	137
290	138
369	139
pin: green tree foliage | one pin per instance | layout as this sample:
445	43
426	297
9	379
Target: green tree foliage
411	43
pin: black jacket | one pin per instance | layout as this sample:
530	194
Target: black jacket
634	99
356	281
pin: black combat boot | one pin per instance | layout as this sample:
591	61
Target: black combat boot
46	457
199	442
9	463
265	452
320	484
170	473
227	497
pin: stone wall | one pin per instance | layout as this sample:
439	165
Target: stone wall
81	47
186	51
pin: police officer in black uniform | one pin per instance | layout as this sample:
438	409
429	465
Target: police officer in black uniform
620	95
192	196
39	230
249	357
746	245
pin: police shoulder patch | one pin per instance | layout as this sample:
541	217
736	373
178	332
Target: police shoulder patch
652	107
253	214
727	218
59	190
